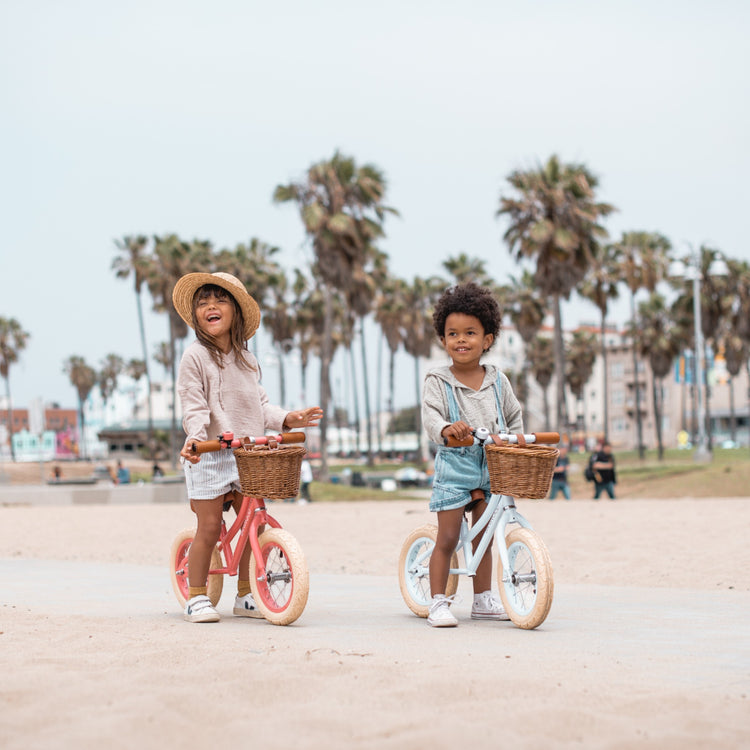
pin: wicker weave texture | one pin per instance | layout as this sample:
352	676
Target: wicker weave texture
271	473
524	472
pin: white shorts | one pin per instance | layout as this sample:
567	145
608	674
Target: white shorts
213	476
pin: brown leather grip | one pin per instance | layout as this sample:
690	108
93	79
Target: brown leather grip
452	442
207	446
292	437
547	437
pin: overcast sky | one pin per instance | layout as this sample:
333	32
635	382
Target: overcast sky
165	116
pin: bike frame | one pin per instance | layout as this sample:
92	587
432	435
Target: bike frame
254	510
500	512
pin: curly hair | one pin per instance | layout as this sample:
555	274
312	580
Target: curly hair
469	299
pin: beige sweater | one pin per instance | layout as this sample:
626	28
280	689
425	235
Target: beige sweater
216	400
476	408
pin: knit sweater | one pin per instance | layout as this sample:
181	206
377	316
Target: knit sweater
476	408
224	399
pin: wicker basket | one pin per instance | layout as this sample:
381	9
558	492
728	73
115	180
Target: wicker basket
272	473
521	471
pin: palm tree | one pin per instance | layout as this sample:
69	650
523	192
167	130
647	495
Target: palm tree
540	355
341	207
465	269
12	342
136	369
644	259
390	308
83	379
111	369
132	260
172	259
553	223
661	337
279	320
527	310
600	287
580	364
718	297
419	334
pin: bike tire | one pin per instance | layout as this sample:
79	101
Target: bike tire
527	600
178	569
414	570
282	595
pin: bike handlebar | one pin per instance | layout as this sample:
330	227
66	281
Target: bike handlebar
228	440
480	436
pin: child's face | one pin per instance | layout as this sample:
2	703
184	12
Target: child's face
465	340
214	316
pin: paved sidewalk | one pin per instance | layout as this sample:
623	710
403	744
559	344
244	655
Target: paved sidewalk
686	637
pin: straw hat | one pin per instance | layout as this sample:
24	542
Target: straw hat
186	287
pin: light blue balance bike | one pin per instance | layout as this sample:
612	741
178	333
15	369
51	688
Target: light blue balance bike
519	466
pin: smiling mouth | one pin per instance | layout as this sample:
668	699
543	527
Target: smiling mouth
214	318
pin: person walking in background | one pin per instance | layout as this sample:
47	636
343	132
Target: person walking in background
123	474
602	464
305	477
560	475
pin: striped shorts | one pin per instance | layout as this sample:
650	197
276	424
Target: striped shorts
213	476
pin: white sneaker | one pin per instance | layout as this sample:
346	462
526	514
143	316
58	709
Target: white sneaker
440	612
487	606
200	609
245	606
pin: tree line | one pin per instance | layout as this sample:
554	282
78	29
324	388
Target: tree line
554	230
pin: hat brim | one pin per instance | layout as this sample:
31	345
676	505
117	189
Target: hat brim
188	285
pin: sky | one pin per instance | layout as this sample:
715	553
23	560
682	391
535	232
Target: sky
161	116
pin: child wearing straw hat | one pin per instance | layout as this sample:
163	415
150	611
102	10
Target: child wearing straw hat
219	388
456	398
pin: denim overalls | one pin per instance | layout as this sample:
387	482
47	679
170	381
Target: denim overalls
458	471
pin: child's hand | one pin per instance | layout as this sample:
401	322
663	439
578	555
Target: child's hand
303	418
187	452
458	430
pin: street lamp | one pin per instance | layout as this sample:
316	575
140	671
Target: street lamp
692	272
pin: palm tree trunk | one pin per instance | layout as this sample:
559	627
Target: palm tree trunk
144	349
10	418
732	414
355	398
605	378
82	436
366	385
379	396
418	415
282	376
173	447
562	407
325	382
638	421
391	398
656	386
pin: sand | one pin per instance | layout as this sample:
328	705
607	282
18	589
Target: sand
646	644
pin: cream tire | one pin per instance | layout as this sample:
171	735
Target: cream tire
178	569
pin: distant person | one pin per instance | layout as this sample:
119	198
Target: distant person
560	475
123	474
602	464
56	473
305	477
156	471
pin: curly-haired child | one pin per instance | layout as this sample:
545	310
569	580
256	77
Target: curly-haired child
457	398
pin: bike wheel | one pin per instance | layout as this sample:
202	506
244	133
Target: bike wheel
526	589
178	569
282	594
414	570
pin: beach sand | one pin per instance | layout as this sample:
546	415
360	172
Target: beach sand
646	645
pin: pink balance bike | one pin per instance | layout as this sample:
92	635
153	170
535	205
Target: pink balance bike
279	576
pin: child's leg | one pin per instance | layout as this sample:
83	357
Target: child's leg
483	578
243	571
208	513
449	527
